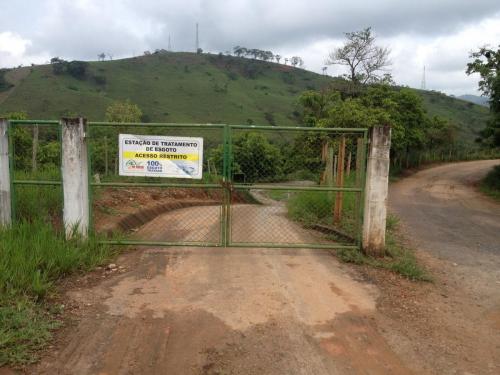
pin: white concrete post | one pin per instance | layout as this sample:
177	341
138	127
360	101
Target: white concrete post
5	183
376	191
75	176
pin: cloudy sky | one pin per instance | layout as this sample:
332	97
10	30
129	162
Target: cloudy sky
436	33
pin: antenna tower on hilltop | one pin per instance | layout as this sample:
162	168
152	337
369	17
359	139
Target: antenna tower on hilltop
422	85
197	39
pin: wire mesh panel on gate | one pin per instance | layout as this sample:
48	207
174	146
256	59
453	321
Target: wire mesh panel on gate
302	186
36	171
157	210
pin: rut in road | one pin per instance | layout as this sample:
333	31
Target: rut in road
236	311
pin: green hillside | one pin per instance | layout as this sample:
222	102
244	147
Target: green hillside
186	87
469	117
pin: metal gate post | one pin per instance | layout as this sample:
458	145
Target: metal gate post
5	175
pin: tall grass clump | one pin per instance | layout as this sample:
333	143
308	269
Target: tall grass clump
311	207
398	258
33	256
316	207
38	202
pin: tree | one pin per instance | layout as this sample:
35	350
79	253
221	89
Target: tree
58	65
254	52
278	58
324	69
487	64
253	156
239	51
123	111
101	56
266	55
296	60
363	58
402	109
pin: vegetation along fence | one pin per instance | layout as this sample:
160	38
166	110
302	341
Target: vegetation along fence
257	185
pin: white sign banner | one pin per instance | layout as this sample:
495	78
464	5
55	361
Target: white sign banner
161	156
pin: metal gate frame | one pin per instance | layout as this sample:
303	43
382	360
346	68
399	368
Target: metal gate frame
357	190
226	185
12	124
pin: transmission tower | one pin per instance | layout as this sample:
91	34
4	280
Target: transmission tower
422	85
197	39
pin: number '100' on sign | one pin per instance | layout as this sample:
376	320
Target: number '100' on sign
161	156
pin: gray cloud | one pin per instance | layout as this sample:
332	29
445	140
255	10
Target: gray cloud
79	29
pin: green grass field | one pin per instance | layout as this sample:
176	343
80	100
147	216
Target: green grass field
186	87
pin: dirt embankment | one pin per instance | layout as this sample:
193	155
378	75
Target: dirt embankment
126	209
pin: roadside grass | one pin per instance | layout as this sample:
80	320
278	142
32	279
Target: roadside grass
278	195
33	257
313	207
490	185
38	202
398	258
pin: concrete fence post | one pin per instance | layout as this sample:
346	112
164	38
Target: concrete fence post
75	170
376	191
5	183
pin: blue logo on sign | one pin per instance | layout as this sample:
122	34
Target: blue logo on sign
154	166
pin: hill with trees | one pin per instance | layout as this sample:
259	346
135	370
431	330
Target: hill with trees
189	87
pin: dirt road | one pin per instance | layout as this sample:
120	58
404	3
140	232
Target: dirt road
451	326
224	311
261	311
447	217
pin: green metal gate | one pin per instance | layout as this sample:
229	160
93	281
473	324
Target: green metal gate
262	186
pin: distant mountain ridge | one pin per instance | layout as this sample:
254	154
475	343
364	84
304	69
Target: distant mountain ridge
481	100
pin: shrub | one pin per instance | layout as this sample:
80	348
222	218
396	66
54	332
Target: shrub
491	183
270	118
100	80
77	69
311	207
